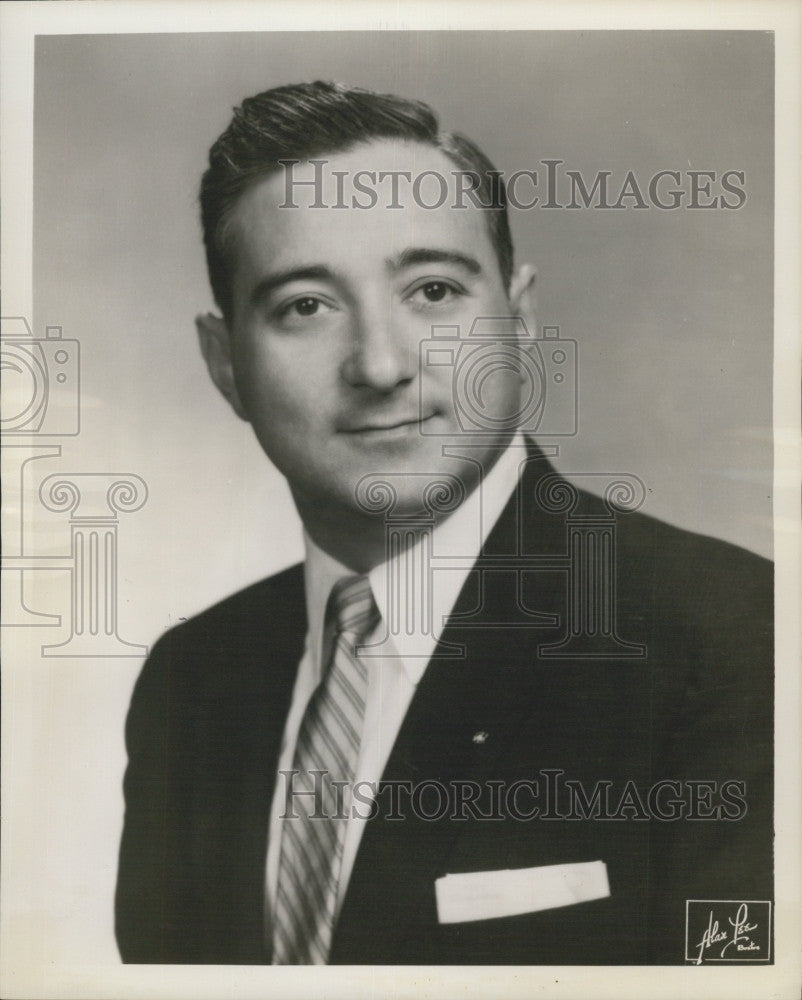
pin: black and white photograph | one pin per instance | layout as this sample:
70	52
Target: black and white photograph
400	501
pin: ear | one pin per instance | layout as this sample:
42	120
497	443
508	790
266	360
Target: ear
522	296
215	345
522	303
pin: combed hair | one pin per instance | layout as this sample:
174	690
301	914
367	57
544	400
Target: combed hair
304	120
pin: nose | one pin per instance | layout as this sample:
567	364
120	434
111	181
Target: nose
381	355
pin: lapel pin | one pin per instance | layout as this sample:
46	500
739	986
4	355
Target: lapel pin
480	737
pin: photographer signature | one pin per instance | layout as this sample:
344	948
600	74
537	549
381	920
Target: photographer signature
722	939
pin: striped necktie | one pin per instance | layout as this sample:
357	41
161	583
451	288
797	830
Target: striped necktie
326	751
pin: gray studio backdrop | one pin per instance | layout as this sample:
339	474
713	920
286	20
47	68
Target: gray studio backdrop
671	311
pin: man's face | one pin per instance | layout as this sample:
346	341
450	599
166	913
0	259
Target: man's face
330	307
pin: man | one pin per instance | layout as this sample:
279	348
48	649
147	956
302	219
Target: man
435	742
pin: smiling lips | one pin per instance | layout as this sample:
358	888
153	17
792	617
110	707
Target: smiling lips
387	426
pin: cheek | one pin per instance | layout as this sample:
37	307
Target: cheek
259	372
503	385
280	390
494	394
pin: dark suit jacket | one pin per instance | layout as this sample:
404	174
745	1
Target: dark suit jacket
208	711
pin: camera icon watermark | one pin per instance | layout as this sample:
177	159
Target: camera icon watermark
499	348
41	381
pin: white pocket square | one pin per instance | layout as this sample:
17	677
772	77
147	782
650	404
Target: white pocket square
511	891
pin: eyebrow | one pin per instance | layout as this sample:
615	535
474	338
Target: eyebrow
425	255
407	258
315	272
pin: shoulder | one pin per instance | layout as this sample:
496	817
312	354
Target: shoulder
701	576
648	553
276	603
702	607
706	611
701	601
242	644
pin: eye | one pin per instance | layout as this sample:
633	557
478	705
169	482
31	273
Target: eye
435	291
303	307
307	306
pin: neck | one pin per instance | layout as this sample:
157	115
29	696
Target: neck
354	538
369	551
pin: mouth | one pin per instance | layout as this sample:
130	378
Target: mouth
399	427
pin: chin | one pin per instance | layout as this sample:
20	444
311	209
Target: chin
394	494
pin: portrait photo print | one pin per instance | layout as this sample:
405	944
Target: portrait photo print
394	498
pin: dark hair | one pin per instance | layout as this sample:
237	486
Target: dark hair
307	119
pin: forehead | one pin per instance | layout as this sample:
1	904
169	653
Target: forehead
355	208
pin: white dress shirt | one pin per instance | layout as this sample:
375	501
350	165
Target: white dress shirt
396	668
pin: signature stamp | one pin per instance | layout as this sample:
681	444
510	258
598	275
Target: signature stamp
727	930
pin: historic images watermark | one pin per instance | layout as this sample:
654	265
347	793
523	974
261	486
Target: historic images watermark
42	379
547	366
552	186
41	401
548	795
